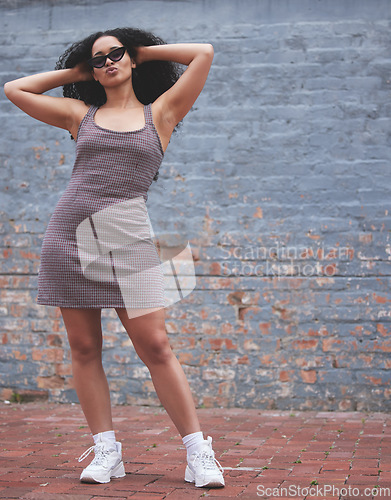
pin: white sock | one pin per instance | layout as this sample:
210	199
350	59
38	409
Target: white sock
192	442
104	436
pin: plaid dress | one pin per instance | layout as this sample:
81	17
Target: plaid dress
98	250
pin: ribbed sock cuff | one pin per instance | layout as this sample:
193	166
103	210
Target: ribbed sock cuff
193	441
104	436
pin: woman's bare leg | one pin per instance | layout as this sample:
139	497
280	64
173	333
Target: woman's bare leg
85	339
149	337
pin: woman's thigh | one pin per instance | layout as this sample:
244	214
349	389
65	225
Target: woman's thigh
84	328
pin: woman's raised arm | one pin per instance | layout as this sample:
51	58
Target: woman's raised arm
176	102
27	94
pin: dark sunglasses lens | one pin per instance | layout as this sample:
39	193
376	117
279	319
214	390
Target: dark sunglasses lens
117	54
98	62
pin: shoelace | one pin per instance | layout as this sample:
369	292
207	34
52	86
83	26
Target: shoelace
208	460
100	454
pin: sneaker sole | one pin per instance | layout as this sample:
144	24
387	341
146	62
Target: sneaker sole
190	478
117	472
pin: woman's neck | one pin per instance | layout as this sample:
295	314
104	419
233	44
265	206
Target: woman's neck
121	98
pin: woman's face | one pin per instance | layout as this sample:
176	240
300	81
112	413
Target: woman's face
113	72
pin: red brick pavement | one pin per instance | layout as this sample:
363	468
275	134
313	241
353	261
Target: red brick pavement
266	454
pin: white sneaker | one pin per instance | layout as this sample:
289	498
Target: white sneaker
106	464
203	469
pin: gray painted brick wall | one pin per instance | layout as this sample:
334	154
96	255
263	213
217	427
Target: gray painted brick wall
280	177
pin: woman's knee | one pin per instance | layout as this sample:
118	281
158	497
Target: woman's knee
85	351
154	349
85	346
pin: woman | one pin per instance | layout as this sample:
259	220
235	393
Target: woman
123	99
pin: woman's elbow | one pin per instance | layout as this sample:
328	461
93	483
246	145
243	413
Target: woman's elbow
6	88
209	50
9	89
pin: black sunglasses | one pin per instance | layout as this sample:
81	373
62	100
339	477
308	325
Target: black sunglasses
115	55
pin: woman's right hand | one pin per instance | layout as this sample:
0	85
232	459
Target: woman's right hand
83	72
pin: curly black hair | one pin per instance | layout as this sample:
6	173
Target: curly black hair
150	80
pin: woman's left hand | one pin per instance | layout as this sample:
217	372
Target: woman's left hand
138	58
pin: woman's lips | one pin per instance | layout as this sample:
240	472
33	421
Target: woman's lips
110	71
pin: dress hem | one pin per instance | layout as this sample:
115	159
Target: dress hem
121	306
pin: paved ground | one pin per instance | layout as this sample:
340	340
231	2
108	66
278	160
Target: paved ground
265	454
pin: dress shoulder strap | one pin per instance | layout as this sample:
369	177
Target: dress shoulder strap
86	118
90	113
91	110
148	114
